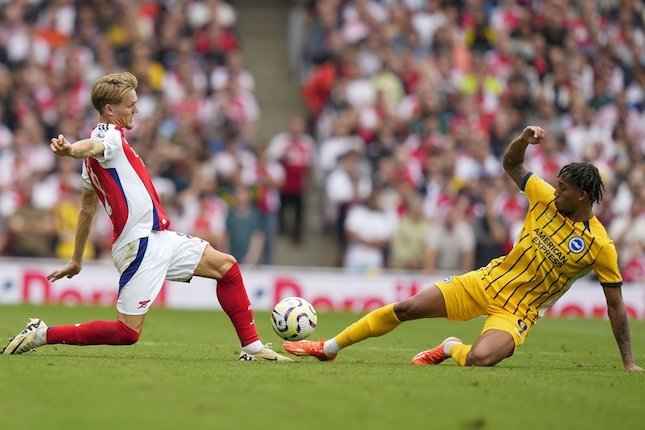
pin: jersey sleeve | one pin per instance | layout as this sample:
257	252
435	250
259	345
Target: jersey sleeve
87	183
606	267
111	139
537	189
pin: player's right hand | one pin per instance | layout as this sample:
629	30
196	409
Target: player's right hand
533	134
71	269
60	146
633	367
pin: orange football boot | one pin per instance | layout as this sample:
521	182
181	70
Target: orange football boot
308	348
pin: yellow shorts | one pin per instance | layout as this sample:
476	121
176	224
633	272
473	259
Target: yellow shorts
466	299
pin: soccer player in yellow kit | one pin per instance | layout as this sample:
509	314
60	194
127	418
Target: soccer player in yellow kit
560	242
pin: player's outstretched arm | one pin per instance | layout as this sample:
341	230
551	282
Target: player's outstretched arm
89	205
513	159
82	149
620	326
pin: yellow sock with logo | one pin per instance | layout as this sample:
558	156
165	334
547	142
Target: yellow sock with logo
459	353
378	322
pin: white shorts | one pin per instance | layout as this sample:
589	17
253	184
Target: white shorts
146	262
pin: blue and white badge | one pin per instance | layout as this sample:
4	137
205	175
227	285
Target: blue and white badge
576	245
447	279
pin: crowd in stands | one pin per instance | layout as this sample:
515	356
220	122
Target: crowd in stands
411	104
198	116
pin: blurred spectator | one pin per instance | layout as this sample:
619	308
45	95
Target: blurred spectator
243	228
546	159
477	161
270	177
318	86
31	229
511	208
347	184
409	241
490	229
450	244
338	143
501	132
479	34
205	216
232	163
233	71
584	131
240	106
65	216
369	231
633	264
295	151
628	232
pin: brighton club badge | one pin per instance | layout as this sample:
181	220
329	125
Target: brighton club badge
576	245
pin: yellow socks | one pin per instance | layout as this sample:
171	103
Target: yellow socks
378	322
459	353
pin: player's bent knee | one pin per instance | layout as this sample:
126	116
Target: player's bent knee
407	310
428	303
214	264
225	262
228	261
479	357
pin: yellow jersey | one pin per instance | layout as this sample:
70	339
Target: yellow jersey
550	254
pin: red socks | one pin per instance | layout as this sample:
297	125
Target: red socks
93	333
230	293
233	299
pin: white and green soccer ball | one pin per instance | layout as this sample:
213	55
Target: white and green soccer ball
294	318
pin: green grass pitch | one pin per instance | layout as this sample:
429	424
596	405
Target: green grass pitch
184	374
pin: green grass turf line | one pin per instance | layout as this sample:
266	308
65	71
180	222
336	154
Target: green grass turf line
184	374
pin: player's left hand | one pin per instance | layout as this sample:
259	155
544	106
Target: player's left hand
633	367
71	269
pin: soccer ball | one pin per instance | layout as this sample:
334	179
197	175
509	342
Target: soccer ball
293	318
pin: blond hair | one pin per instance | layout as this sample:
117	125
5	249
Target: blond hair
111	88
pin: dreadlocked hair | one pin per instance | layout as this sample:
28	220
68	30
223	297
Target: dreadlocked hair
586	177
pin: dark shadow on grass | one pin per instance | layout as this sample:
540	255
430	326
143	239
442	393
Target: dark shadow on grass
197	359
509	366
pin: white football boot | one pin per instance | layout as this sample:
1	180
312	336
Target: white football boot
24	341
265	354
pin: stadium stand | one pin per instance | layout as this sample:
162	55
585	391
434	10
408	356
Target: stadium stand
198	113
427	94
414	98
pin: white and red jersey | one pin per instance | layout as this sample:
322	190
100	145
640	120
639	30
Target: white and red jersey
120	179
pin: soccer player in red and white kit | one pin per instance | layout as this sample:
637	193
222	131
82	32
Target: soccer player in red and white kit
144	250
